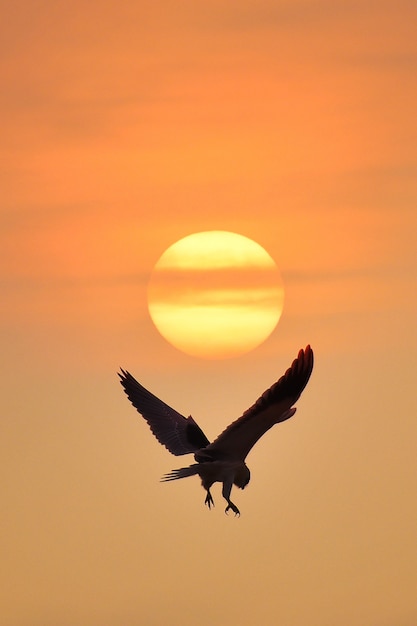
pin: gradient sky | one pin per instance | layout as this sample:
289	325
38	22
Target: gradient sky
125	127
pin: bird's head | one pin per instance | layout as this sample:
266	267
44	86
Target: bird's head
242	477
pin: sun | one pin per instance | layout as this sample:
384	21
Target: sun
215	294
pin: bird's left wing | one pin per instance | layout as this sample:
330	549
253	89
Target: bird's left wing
272	407
179	434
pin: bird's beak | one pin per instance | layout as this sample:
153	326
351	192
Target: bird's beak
287	414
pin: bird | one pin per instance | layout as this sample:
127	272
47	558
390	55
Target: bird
222	460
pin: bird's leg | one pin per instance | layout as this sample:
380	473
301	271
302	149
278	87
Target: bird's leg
209	500
227	488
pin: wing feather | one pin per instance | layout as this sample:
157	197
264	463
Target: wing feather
272	407
179	434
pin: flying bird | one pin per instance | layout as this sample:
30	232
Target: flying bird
223	460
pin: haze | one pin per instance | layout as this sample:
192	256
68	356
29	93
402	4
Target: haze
125	127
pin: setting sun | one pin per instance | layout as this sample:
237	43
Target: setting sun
215	294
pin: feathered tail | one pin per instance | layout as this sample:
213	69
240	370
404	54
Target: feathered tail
183	472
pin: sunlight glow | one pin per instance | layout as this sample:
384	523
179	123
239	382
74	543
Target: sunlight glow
215	295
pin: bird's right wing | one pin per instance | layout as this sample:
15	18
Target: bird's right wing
272	407
179	434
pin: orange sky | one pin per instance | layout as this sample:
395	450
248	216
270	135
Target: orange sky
125	127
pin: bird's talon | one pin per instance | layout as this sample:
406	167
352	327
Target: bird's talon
209	500
234	509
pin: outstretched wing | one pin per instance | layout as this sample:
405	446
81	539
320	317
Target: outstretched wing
272	407
179	434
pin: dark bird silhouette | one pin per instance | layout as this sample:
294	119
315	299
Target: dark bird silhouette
223	460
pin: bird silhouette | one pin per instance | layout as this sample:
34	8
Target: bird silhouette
223	460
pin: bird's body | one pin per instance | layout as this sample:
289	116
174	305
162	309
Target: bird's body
223	460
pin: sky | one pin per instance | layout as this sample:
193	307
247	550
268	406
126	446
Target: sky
125	127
